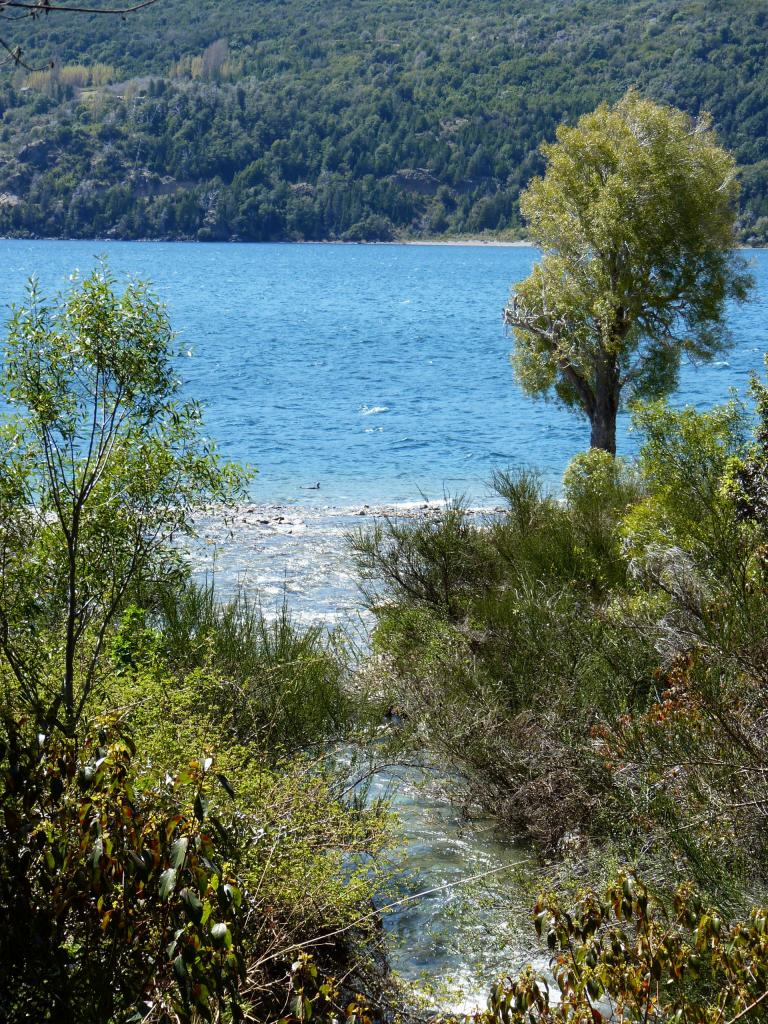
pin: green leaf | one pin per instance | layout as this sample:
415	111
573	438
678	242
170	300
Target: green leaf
226	784
179	851
201	807
207	908
167	883
192	905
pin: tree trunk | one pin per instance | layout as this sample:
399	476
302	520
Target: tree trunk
604	431
602	415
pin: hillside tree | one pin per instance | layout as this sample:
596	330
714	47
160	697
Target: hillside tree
635	220
19	10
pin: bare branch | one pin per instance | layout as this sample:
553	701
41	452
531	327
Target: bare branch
46	8
14	57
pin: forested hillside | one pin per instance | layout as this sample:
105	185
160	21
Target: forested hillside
354	119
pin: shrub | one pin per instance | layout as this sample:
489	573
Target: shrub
625	955
121	898
281	686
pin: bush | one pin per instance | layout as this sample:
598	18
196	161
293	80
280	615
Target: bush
625	954
595	666
683	462
497	643
282	687
121	900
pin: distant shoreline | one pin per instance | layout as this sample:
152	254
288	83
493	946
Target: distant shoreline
478	243
517	243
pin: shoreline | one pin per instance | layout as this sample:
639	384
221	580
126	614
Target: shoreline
276	553
474	243
516	243
275	513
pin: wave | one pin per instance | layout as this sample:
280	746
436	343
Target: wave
373	410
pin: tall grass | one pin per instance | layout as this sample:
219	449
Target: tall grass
281	684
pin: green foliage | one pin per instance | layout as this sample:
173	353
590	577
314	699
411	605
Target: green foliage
201	678
286	687
121	900
304	850
635	216
603	679
506	674
431	562
683	462
140	881
220	122
599	488
101	466
624	953
747	477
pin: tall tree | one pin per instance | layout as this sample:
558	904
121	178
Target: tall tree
101	466
635	219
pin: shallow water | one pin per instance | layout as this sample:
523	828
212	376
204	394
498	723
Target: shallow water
451	943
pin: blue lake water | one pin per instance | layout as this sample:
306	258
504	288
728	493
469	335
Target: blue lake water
379	371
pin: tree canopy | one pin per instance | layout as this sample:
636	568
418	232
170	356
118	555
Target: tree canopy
635	218
102	465
24	10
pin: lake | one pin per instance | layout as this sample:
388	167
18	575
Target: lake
380	372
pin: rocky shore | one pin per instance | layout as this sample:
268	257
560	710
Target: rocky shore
297	553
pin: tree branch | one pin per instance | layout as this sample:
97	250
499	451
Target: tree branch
518	318
46	8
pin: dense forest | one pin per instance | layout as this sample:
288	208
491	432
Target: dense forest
354	120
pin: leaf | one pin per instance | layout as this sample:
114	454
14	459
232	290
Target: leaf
167	883
231	894
192	905
222	833
97	852
201	807
180	968
137	862
171	824
226	784
207	908
179	851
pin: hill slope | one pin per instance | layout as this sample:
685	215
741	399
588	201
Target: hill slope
349	118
